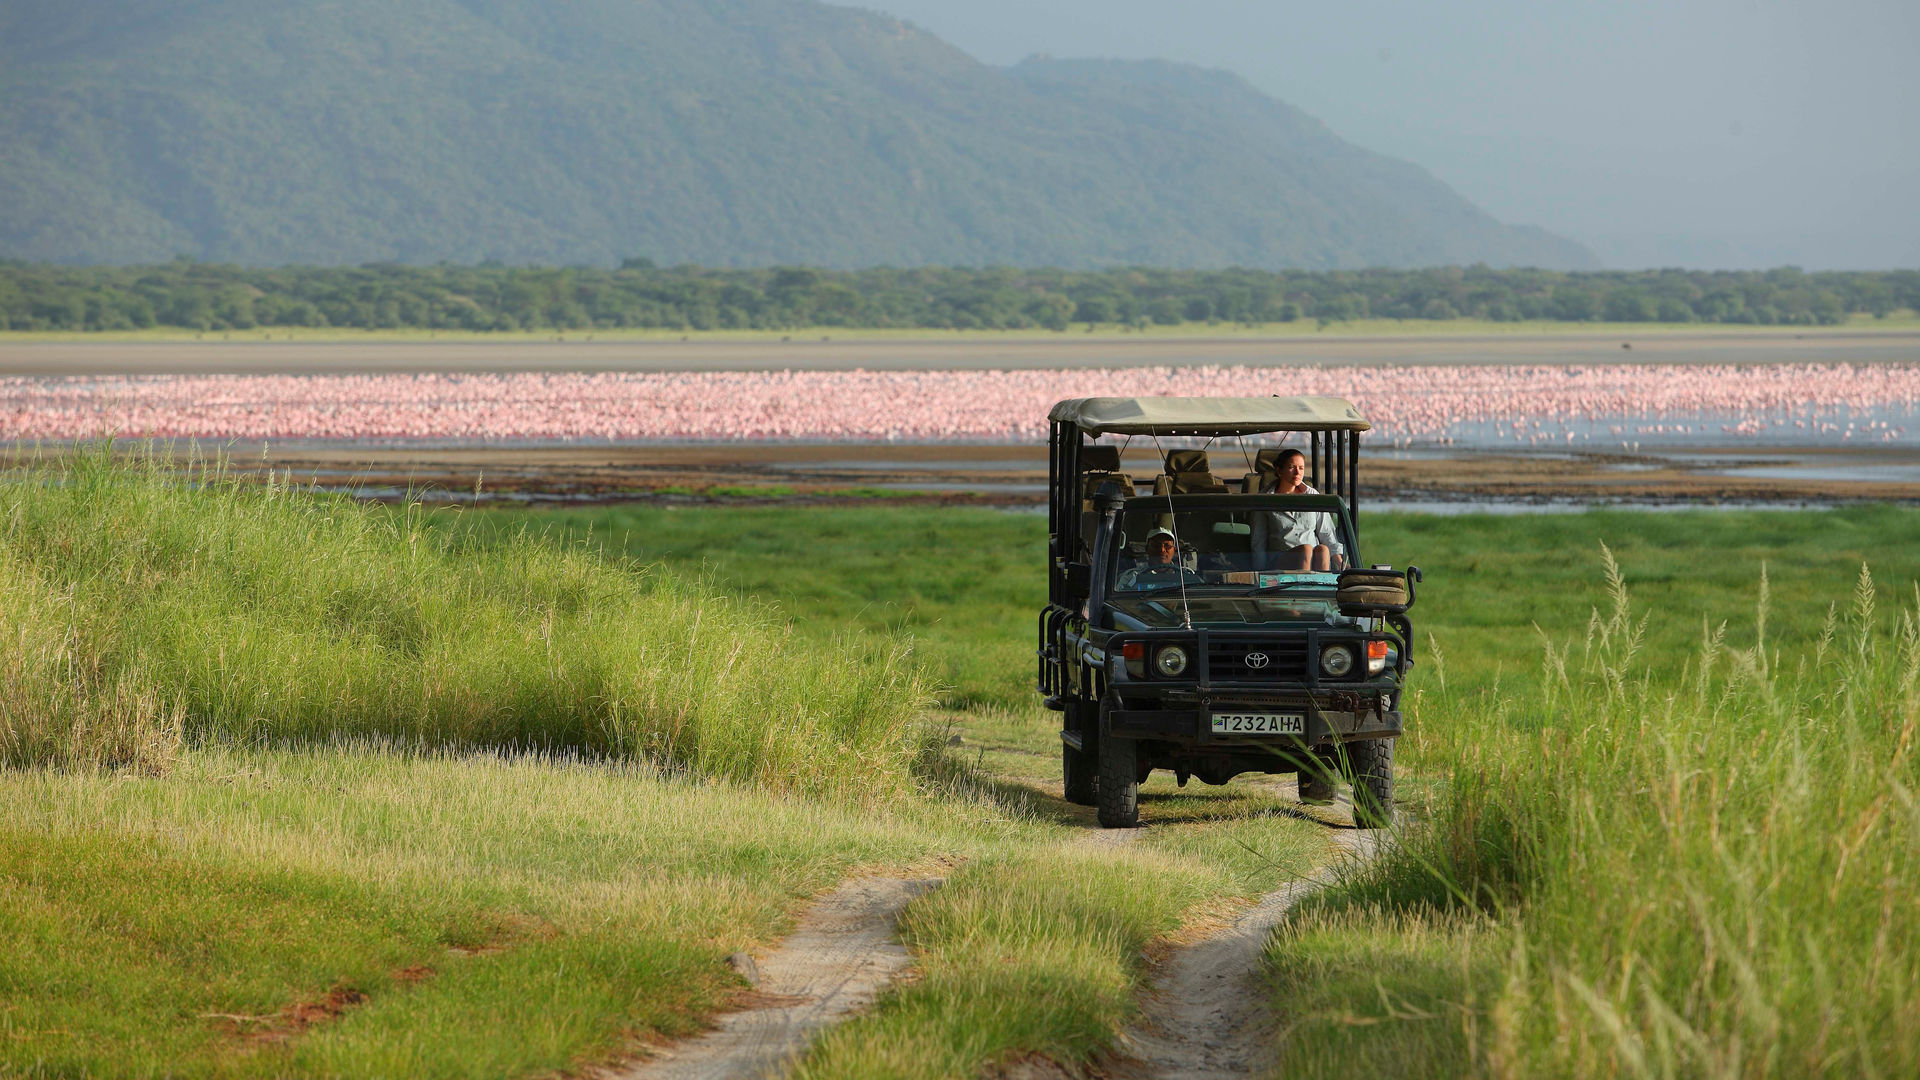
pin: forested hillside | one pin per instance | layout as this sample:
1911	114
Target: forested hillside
720	132
203	296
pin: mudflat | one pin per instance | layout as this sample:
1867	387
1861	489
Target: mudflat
1016	475
249	354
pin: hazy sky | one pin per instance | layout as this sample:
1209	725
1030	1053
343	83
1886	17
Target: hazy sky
1701	133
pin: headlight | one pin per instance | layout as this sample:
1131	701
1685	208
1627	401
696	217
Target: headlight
1170	661
1336	660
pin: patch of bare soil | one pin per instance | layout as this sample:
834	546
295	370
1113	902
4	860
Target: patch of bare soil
841	956
1208	1013
292	1020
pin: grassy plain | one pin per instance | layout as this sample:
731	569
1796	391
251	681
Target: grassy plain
142	612
295	877
1898	321
463	915
357	911
965	584
243	833
1666	823
1653	859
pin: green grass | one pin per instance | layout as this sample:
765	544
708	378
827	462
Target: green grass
243	834
1034	952
157	926
966	584
1748	838
963	585
141	612
1650	861
1039	948
163	926
1493	580
1634	852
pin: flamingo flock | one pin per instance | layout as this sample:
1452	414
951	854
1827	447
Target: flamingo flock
1433	405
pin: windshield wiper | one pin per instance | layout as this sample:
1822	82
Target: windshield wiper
1161	591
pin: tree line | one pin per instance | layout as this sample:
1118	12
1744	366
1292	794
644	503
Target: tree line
639	295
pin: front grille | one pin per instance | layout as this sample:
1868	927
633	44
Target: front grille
1227	660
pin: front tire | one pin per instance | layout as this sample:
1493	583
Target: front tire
1077	767
1117	794
1372	762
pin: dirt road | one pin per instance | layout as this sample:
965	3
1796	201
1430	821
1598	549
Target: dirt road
843	953
1208	1014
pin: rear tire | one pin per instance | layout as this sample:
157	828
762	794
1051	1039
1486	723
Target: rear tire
1077	767
1117	793
1372	761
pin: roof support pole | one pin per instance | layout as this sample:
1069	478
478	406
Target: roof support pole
1337	442
1353	475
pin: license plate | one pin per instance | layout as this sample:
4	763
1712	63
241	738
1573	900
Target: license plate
1259	723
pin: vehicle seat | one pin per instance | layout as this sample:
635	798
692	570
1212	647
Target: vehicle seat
1188	474
1266	471
1099	466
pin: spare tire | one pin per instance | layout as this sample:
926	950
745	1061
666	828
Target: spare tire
1373	592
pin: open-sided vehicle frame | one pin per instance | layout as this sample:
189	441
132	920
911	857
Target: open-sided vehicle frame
1237	666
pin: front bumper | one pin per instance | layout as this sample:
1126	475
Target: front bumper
1189	725
1222	678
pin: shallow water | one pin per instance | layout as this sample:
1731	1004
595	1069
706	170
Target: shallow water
940	465
1511	507
1874	473
982	488
1890	425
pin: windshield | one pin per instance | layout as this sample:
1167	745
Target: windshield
1277	546
1221	608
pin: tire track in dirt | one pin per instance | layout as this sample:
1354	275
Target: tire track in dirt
1207	1014
841	955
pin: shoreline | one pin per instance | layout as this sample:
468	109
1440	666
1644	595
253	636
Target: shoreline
981	474
1637	344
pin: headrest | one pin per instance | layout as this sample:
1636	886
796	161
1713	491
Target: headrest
1268	461
1099	459
1186	461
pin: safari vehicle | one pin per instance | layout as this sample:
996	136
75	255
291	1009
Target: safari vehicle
1230	649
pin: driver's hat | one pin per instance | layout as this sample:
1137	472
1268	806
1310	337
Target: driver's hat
1160	532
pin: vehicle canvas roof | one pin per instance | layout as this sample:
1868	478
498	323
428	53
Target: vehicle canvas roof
1207	415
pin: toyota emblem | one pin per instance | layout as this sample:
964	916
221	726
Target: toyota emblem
1256	660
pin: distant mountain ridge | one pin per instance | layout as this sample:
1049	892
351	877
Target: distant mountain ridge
721	132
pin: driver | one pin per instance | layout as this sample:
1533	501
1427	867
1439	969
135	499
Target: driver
1161	569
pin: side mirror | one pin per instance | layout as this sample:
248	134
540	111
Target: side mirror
1079	578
